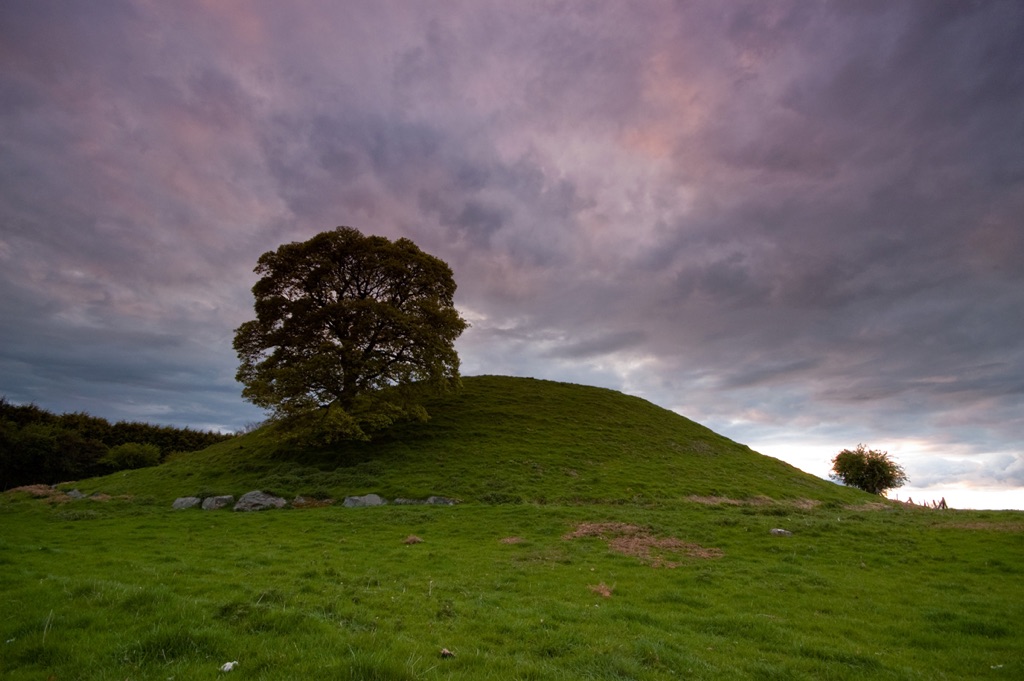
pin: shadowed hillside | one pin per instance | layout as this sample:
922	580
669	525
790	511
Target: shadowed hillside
500	440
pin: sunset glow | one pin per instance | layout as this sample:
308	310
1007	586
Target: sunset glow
796	223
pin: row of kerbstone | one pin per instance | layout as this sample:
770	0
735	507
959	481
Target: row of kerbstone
258	501
250	501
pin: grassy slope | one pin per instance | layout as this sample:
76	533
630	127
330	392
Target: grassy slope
501	439
114	591
132	590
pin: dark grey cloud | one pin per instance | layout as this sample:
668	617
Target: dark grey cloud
798	223
596	347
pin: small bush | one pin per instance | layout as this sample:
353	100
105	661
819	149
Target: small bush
867	469
131	455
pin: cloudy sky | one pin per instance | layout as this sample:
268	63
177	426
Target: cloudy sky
799	223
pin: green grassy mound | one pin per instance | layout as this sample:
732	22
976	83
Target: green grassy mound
642	549
500	440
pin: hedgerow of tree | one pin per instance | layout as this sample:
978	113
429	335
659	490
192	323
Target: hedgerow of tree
37	446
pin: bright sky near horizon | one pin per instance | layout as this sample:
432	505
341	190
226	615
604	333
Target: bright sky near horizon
798	223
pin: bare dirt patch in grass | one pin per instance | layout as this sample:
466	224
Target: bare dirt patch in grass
602	589
873	506
639	542
714	501
604	530
803	504
35	490
512	540
50	494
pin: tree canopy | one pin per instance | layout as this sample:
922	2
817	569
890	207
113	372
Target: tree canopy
867	469
345	325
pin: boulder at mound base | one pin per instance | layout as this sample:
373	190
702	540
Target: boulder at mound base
365	500
186	502
218	502
259	501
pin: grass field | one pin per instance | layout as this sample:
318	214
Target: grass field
653	561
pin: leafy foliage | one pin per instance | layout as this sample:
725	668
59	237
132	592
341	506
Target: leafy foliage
132	455
867	469
345	326
37	446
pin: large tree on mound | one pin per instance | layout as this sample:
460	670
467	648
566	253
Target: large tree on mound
345	326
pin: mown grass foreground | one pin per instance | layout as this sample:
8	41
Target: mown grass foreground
663	581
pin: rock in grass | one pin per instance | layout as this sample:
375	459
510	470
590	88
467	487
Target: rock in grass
365	500
779	532
186	502
218	502
259	501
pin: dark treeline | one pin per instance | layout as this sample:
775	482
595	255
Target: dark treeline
37	446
